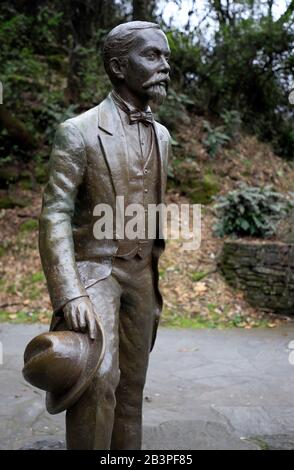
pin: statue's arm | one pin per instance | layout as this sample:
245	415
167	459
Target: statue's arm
67	166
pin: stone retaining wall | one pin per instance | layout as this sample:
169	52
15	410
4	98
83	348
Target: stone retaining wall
264	271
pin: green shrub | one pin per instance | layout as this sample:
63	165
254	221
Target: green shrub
251	211
215	139
232	123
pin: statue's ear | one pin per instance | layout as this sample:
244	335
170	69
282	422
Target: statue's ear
116	68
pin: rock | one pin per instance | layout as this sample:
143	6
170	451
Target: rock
285	229
264	271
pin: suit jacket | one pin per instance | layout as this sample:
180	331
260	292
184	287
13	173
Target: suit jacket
88	166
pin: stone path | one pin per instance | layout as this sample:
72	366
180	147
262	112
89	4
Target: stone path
206	389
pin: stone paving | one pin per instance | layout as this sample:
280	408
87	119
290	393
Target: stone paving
206	389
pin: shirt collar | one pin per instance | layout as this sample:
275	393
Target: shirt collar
123	104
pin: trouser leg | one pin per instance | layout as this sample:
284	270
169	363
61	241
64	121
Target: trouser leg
89	422
135	334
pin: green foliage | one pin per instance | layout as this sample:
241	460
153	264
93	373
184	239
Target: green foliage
37	44
219	136
174	319
37	277
246	65
284	140
46	28
242	71
198	276
232	123
52	112
95	83
174	111
185	55
202	190
32	88
251	211
29	225
244	62
215	139
199	188
41	171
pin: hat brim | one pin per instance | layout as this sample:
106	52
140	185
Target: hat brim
56	403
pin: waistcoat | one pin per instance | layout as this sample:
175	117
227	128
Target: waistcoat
143	190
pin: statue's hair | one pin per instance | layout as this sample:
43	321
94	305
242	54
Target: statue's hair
120	39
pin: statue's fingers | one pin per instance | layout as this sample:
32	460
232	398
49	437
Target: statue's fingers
67	317
91	325
74	320
82	319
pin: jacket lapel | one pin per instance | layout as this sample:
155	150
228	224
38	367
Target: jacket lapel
114	146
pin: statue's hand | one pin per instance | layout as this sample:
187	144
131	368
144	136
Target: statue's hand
79	316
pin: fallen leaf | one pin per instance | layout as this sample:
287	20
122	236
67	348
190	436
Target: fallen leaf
200	288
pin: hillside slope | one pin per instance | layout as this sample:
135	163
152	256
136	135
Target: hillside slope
194	293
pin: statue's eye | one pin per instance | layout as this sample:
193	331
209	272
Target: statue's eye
151	55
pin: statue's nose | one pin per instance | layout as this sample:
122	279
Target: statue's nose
165	67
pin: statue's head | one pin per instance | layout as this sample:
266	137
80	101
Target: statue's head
136	57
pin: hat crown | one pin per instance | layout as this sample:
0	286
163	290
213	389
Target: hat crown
54	361
63	363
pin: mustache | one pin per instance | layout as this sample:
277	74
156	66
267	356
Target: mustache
160	79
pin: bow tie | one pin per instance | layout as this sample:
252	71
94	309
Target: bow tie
141	116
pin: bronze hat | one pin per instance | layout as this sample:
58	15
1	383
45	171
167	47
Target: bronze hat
63	363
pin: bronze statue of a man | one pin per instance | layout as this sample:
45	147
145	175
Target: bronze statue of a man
115	149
